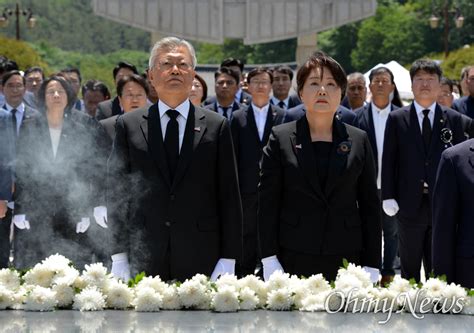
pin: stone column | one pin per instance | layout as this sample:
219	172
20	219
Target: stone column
306	45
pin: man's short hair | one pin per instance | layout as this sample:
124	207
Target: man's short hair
95	85
124	64
447	82
381	70
356	76
171	43
229	71
72	70
9	74
426	65
33	70
7	65
257	71
138	79
229	62
284	70
464	71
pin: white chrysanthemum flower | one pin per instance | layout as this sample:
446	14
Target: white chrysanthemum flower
89	299
201	278
147	300
10	279
227	280
171	299
79	283
358	300
193	294
280	299
434	287
119	296
56	262
347	282
299	292
400	285
451	294
278	280
316	284
7	298
66	275
248	299
64	295
226	299
387	299
314	302
95	275
40	299
468	308
40	275
153	282
258	286
19	297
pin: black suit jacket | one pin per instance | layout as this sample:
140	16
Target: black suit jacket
245	98
7	150
344	114
365	121
297	214
248	146
406	166
453	216
197	218
215	108
465	105
108	108
292	102
109	126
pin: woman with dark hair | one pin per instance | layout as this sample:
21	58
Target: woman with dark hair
318	199
198	92
58	184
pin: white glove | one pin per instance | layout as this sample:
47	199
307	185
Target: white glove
100	216
223	266
82	226
390	207
20	221
374	273
270	266
120	266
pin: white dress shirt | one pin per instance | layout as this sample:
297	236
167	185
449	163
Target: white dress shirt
380	117
275	101
20	111
220	110
260	115
55	134
237	95
419	112
183	110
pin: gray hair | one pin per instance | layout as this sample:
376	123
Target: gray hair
168	44
356	76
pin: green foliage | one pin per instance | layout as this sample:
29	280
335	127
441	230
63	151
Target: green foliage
133	282
24	55
456	61
345	263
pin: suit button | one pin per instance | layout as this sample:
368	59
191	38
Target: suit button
168	223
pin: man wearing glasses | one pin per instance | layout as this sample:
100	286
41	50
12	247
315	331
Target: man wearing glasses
177	209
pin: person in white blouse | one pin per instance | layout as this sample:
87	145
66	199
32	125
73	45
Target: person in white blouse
58	169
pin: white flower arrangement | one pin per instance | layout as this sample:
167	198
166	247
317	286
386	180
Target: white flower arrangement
56	284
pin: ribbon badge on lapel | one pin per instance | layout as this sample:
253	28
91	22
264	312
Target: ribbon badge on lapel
197	129
344	148
298	146
447	137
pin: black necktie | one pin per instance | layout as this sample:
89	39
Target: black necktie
14	124
281	104
224	110
426	133
172	142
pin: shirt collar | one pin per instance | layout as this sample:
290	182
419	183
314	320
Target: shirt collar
262	109
276	100
419	109
238	94
183	108
20	108
385	110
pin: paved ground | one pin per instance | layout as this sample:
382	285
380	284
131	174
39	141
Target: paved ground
203	321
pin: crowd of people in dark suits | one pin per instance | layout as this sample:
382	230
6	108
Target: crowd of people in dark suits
166	180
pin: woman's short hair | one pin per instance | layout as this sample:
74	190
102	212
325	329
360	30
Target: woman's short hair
71	96
204	87
320	60
138	79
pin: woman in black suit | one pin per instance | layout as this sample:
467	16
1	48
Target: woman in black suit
59	164
318	198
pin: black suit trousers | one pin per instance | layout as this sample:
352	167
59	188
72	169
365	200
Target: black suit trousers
5	239
250	238
414	241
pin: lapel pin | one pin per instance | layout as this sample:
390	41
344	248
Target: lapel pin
441	121
298	146
197	129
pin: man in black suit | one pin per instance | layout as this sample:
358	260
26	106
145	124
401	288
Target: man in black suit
356	92
174	169
415	137
241	96
453	230
282	78
251	127
94	92
73	75
111	107
465	104
343	114
372	118
226	86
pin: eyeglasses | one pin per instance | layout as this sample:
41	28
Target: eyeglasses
132	96
17	86
446	95
53	92
381	82
260	83
221	83
33	80
167	65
